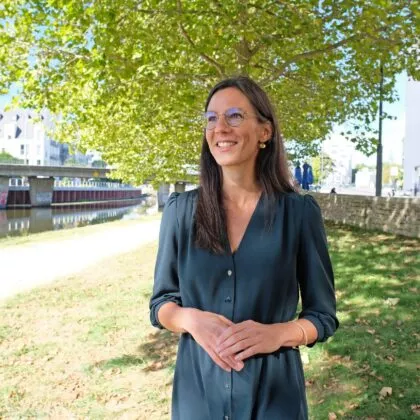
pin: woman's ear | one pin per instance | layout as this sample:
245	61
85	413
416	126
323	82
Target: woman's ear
267	131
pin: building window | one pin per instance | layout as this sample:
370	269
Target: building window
38	162
22	149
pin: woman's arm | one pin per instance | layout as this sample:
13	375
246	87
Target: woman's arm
166	284
315	273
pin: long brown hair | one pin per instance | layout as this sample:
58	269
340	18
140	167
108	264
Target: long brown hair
271	170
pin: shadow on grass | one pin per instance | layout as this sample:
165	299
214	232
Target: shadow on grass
156	353
159	350
125	360
377	343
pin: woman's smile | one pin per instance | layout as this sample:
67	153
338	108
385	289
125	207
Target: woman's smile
226	145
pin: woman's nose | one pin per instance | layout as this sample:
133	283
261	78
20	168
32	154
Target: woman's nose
221	124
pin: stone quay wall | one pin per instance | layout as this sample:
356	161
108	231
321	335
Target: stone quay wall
397	215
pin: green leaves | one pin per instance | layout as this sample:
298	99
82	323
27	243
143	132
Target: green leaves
129	77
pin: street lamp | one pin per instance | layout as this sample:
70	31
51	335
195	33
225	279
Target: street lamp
379	149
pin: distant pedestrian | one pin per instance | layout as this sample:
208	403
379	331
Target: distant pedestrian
333	191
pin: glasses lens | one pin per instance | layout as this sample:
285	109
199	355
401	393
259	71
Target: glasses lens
234	117
210	119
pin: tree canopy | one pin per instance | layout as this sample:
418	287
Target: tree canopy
130	77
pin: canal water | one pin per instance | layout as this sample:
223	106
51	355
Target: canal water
26	221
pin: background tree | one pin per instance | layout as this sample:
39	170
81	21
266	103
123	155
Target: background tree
98	164
392	172
130	77
322	166
8	158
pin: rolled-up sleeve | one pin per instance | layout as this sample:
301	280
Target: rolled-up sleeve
315	273
166	283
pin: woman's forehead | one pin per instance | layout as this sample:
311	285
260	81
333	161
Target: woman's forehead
229	98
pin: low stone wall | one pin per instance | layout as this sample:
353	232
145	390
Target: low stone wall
388	214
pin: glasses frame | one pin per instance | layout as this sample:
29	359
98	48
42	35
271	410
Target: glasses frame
244	113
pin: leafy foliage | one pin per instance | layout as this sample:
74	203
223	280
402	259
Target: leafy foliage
8	158
129	77
322	166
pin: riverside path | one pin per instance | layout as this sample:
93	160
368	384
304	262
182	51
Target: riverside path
28	265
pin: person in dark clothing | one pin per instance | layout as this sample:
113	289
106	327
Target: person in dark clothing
233	256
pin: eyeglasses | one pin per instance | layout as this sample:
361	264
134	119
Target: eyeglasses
234	117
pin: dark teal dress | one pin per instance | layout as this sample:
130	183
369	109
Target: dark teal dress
261	282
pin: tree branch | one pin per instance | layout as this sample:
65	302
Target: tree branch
308	54
204	56
281	70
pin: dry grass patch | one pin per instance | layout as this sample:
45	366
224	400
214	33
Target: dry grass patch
83	346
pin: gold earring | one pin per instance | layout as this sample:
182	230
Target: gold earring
262	146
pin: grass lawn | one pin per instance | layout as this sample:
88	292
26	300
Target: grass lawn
82	347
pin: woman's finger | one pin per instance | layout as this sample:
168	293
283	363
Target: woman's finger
238	347
218	360
228	332
233	339
249	352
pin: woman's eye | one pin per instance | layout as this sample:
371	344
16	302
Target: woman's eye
236	116
211	118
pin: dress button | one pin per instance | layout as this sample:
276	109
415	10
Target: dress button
226	418
227	386
229	272
228	299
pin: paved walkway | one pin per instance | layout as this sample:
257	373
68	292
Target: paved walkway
25	266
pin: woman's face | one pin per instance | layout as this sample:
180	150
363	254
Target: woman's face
239	145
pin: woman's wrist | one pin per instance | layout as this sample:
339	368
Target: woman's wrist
176	318
187	319
289	334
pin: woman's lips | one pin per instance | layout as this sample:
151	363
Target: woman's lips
226	145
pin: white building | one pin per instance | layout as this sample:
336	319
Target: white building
24	135
411	151
340	151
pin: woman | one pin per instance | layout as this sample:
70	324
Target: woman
232	258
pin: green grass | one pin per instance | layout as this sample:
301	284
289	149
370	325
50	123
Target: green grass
377	280
83	348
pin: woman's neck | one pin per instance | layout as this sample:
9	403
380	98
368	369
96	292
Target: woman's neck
239	187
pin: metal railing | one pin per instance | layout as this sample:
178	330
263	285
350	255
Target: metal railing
74	183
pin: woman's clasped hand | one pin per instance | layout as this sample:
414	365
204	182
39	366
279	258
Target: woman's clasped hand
229	344
248	338
206	328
